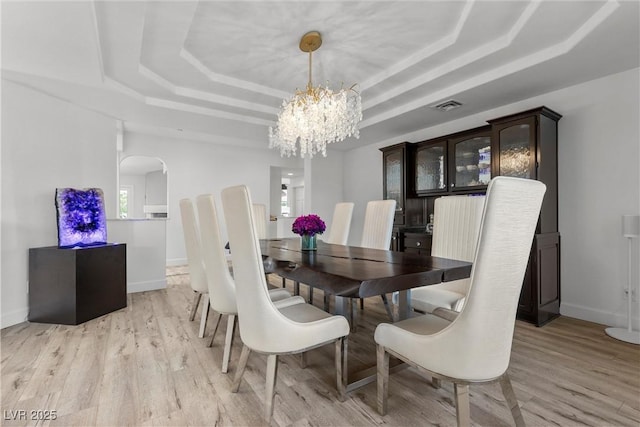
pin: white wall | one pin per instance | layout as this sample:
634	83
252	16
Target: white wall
195	167
46	144
146	254
599	158
324	185
156	188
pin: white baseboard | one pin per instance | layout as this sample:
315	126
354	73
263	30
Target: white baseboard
598	316
14	317
149	285
176	262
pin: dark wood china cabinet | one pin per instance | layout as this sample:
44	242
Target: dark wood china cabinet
527	147
522	145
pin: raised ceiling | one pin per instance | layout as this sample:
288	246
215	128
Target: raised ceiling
219	70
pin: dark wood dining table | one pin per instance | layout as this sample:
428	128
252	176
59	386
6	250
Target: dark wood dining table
348	272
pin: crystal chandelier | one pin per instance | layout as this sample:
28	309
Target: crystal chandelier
316	116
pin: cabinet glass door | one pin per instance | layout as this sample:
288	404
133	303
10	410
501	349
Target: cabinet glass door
393	170
516	151
430	168
472	166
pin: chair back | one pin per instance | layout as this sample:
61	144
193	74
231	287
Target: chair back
262	328
482	334
378	224
456	225
340	224
197	276
222	289
260	215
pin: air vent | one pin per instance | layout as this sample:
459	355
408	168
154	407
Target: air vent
448	105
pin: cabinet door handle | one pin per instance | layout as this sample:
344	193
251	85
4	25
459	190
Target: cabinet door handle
418	244
453	185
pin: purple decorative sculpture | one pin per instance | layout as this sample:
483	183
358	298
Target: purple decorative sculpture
81	217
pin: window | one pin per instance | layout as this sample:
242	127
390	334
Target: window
126	201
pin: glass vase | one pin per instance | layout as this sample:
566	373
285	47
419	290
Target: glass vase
308	243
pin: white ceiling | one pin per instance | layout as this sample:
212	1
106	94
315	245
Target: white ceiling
218	70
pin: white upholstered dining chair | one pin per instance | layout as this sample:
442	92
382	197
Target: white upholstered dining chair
378	224
260	214
197	277
264	328
377	232
475	346
456	225
340	224
222	290
338	233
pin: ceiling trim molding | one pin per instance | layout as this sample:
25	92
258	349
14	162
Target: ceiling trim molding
122	88
232	81
98	44
181	106
139	128
503	70
458	62
421	55
204	96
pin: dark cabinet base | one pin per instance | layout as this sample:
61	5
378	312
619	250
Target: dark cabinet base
540	296
72	286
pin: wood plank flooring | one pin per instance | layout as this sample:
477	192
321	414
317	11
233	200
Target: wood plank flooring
145	365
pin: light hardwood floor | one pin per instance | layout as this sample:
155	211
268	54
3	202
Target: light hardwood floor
145	365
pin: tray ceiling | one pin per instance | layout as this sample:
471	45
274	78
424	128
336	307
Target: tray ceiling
219	70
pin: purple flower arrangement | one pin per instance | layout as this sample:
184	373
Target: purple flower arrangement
308	225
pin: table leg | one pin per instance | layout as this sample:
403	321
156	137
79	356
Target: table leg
344	307
404	304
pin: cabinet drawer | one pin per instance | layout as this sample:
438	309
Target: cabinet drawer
417	241
425	252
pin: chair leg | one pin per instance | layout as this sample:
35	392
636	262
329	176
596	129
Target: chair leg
512	402
296	288
353	314
341	367
361	303
194	305
215	329
303	360
204	316
383	379
228	341
326	303
435	382
462	404
272	373
311	295
242	364
284	282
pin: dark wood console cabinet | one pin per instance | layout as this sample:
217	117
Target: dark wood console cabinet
524	145
72	286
